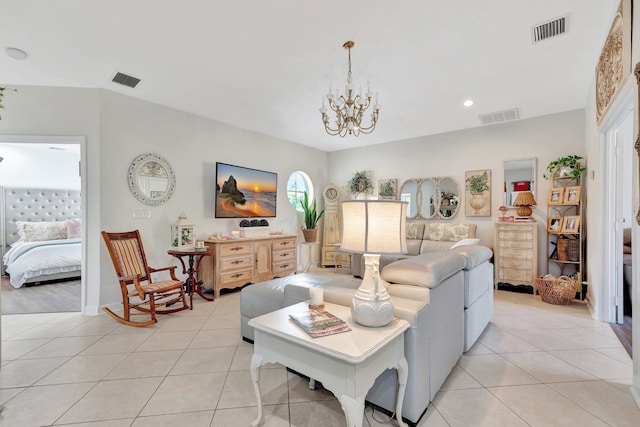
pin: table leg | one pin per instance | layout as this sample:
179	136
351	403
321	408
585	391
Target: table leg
197	284
353	410
403	374
256	363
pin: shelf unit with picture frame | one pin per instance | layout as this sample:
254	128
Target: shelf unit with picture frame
565	235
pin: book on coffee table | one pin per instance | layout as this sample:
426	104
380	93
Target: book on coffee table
319	323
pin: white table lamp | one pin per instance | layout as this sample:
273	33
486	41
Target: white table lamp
373	227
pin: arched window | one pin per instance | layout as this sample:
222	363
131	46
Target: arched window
298	183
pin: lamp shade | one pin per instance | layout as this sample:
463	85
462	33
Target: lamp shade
374	226
523	202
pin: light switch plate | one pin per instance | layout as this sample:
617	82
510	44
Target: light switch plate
142	214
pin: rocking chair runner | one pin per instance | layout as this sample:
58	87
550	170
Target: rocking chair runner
139	291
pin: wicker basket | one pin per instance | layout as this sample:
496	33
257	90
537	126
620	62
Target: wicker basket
563	246
557	290
573	250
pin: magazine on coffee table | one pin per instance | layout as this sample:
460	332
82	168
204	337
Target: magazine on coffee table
319	323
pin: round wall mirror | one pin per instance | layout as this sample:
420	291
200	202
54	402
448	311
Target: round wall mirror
151	179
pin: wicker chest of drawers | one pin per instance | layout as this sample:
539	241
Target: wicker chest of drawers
516	253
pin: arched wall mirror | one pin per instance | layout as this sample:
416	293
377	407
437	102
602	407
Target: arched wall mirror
151	179
409	193
519	175
431	198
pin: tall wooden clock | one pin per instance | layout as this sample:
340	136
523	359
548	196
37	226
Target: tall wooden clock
331	233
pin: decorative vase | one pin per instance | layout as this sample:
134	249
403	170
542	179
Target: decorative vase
477	201
310	235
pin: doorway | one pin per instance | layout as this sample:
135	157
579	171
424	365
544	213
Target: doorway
45	163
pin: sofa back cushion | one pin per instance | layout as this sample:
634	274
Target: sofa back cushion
442	232
426	270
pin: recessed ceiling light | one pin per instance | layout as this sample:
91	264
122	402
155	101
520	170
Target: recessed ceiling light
468	103
16	53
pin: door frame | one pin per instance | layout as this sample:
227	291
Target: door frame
82	141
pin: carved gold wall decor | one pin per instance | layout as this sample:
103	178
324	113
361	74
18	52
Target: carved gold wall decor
615	60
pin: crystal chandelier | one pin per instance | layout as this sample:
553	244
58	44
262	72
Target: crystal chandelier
349	108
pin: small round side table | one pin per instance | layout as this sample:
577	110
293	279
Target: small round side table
195	256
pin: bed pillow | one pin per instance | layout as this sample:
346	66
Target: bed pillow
38	231
74	228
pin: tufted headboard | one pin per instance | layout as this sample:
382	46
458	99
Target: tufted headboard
34	204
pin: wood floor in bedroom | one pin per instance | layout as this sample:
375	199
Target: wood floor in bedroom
53	297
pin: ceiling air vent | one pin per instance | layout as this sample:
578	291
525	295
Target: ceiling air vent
499	116
125	80
549	29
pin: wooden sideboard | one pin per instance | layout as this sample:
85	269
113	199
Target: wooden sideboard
248	260
516	253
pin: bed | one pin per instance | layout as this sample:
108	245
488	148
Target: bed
40	234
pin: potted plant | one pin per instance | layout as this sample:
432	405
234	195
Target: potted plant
360	183
566	166
311	218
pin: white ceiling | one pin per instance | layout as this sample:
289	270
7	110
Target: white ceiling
264	65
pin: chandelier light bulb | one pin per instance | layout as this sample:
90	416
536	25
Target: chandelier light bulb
350	108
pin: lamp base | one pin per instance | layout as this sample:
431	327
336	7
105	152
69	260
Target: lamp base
524	211
371	305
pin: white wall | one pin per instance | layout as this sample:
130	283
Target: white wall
118	128
451	154
35	165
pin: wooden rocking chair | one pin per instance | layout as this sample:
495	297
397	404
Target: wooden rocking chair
139	292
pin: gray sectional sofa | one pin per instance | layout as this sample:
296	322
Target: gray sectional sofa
446	296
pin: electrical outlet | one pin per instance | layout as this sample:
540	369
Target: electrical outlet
142	214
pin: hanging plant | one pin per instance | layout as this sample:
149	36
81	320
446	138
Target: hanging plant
360	183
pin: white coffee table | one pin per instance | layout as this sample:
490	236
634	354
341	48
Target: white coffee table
347	364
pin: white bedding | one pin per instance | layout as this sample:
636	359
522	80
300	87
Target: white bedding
26	260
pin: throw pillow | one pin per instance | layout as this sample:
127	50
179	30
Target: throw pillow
412	231
38	231
74	228
448	232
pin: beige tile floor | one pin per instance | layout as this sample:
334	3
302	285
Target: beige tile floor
535	365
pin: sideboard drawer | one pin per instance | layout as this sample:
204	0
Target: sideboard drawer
524	263
516	244
236	277
287	243
235	248
284	267
514	253
515	274
236	263
516	235
289	254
